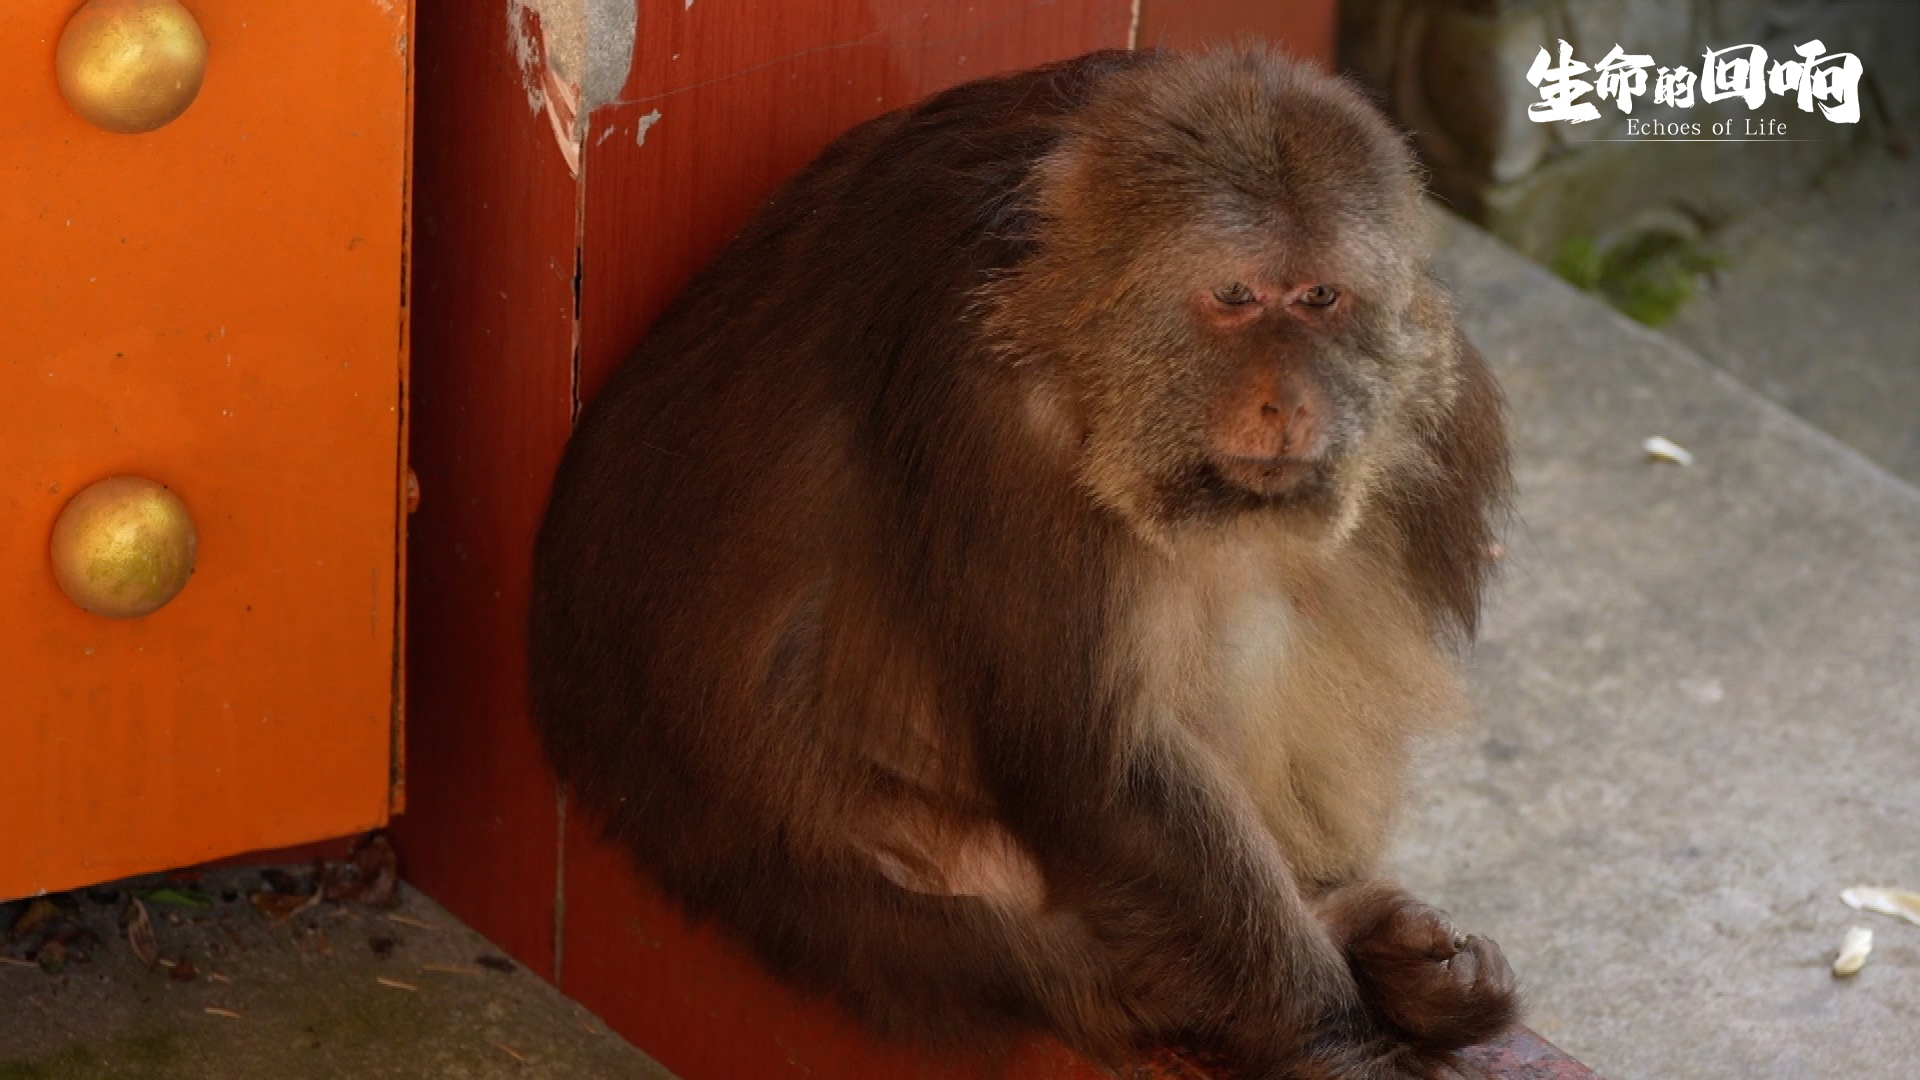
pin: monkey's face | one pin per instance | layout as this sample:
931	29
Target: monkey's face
1267	407
1228	278
1232	377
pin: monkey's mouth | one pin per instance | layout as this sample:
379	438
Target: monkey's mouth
1226	487
1277	479
1222	487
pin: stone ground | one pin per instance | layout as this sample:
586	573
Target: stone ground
1818	307
1700	686
1700	694
298	999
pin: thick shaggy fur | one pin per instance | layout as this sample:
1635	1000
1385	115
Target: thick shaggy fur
889	610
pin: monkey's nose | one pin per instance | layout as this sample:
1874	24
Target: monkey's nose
1277	418
1292	424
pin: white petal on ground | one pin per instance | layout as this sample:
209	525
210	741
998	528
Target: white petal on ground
1853	952
1661	448
1899	903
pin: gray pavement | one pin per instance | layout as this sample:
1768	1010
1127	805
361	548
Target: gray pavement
1700	711
1817	306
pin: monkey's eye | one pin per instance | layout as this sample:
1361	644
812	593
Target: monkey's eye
1234	295
1320	296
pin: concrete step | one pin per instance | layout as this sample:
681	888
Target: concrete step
1817	305
333	992
1700	695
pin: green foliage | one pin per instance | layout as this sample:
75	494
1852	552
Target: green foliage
1647	278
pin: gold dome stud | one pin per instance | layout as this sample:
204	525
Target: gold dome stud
130	66
123	547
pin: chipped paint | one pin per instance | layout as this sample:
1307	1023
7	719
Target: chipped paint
574	56
646	124
563	115
523	40
395	11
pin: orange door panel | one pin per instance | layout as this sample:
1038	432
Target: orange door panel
216	305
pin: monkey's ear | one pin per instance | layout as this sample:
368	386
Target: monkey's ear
930	851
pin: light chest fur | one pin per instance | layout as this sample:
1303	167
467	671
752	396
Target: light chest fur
1307	672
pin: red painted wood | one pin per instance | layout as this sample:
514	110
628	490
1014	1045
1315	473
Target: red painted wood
494	232
1304	27
746	94
701	1007
1522	1055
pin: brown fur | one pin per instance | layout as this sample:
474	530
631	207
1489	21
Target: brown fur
896	607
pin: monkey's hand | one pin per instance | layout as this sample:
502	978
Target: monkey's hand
1442	989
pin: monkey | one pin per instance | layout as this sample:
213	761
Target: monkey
1002	589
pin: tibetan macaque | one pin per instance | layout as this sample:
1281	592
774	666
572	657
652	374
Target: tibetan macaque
1002	588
